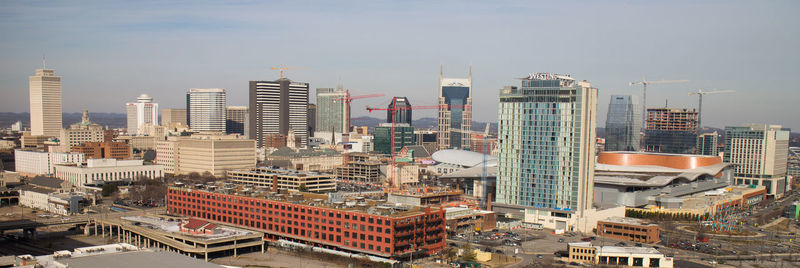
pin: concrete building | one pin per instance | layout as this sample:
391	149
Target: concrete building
402	114
173	115
32	163
403	136
51	201
17	126
351	225
113	149
424	196
760	153
455	111
205	153
284	179
277	107
546	151
629	229
85	131
466	220
330	112
45	103
584	252
235	119
635	179
106	170
316	160
141	112
205	109
707	144
398	174
360	168
671	131
623	123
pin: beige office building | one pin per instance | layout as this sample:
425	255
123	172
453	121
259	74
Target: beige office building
205	153
45	103
761	154
85	131
172	115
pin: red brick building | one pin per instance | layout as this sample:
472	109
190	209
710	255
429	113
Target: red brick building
629	229
110	149
362	227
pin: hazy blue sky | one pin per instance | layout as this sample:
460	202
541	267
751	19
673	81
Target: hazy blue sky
110	52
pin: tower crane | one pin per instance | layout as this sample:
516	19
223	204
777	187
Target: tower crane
395	108
700	94
644	84
484	183
283	68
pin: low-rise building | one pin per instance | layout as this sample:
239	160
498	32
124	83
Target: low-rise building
424	196
112	255
284	179
402	173
317	160
106	170
50	200
629	229
584	252
116	150
32	163
360	168
464	220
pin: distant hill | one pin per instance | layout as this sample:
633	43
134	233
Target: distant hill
112	120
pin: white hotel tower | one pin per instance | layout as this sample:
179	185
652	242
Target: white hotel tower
141	112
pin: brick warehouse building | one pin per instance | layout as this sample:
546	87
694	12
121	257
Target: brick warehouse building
356	226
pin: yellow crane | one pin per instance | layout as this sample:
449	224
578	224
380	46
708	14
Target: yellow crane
283	68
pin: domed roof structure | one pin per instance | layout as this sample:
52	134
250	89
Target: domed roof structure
461	157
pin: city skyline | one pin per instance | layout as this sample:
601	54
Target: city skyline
162	55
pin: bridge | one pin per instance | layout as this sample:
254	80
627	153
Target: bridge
29	225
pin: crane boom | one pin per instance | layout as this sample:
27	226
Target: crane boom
644	84
700	94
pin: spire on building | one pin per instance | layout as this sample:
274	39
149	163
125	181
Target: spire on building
85	117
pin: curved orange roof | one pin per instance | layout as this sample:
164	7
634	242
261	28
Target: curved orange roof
677	161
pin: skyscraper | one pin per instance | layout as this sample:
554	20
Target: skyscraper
45	103
141	112
623	123
707	144
402	114
205	109
671	131
330	112
760	153
455	111
546	150
173	115
403	136
312	119
276	107
235	119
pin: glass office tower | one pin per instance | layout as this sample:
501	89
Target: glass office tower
455	112
623	122
546	148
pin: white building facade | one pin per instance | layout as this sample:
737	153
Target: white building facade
141	112
45	103
107	170
205	109
32	163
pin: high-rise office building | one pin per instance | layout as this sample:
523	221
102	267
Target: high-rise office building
173	115
707	144
205	109
141	112
623	123
546	150
45	103
403	112
235	119
455	111
277	107
312	119
403	136
330	110
760	153
670	131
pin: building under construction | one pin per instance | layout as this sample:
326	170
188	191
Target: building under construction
671	131
359	168
424	196
284	179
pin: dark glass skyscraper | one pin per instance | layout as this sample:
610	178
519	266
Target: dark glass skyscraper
276	107
623	123
402	114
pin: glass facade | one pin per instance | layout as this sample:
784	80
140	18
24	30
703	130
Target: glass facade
455	96
402	114
330	112
623	123
404	136
546	144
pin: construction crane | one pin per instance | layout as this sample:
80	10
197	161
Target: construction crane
700	94
484	183
395	108
644	84
346	113
283	68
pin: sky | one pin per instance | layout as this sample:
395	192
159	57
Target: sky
109	52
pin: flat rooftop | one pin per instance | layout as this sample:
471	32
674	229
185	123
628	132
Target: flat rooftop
172	227
333	201
630	221
281	171
119	255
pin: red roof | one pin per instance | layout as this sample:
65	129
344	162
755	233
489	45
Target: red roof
196	224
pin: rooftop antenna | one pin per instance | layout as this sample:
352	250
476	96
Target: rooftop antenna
666	103
339	86
44	65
